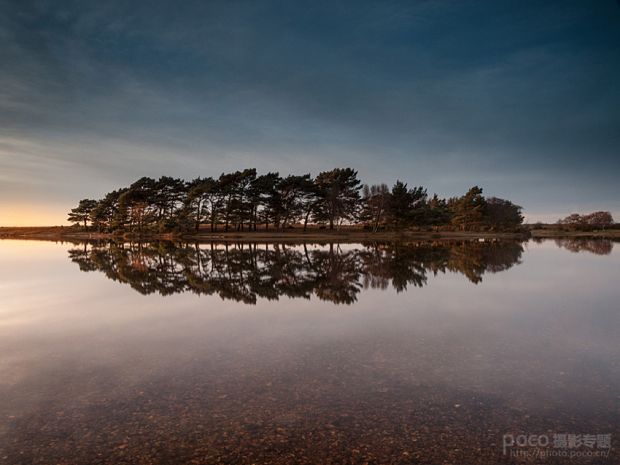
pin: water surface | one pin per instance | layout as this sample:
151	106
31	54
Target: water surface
282	353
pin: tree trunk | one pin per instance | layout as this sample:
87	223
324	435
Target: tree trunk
306	220
198	216
376	226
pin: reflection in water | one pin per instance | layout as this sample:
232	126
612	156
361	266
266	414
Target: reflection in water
595	246
245	271
96	373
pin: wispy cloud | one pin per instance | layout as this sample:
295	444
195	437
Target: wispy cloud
522	100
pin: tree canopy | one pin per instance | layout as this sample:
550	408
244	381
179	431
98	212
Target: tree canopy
248	201
598	220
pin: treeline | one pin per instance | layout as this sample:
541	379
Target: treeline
590	221
246	201
246	272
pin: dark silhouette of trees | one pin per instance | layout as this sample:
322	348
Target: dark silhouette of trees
502	214
338	196
375	204
200	201
438	212
137	206
105	212
236	196
266	200
246	201
468	211
83	213
292	192
595	220
600	219
572	219
406	206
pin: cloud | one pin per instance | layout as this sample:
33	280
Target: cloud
523	101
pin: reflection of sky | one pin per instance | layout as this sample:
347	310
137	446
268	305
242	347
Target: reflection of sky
553	317
519	97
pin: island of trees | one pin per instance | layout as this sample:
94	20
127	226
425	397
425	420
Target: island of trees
246	201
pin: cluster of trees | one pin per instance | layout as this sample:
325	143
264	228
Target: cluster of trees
595	220
246	201
245	272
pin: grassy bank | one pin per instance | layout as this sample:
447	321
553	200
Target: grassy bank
296	235
560	233
289	235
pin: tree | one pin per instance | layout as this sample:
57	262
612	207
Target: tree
227	184
138	203
600	219
502	214
418	213
375	200
244	203
242	199
572	220
104	213
234	188
264	198
83	212
309	199
469	210
438	211
406	205
201	200
291	191
400	205
338	195
169	196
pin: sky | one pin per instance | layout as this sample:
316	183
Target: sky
519	97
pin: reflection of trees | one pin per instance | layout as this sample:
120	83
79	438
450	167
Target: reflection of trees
245	272
405	264
595	246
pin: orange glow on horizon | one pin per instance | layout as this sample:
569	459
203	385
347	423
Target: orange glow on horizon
23	215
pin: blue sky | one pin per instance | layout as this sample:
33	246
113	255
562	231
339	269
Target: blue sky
521	98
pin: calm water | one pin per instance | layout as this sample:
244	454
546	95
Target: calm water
272	353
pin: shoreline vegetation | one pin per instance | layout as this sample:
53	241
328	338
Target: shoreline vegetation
334	205
68	233
245	202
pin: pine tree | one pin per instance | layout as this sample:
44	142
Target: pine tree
469	210
82	214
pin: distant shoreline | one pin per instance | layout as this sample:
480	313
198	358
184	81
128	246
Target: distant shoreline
346	235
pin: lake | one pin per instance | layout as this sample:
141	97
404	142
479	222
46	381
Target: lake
445	352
